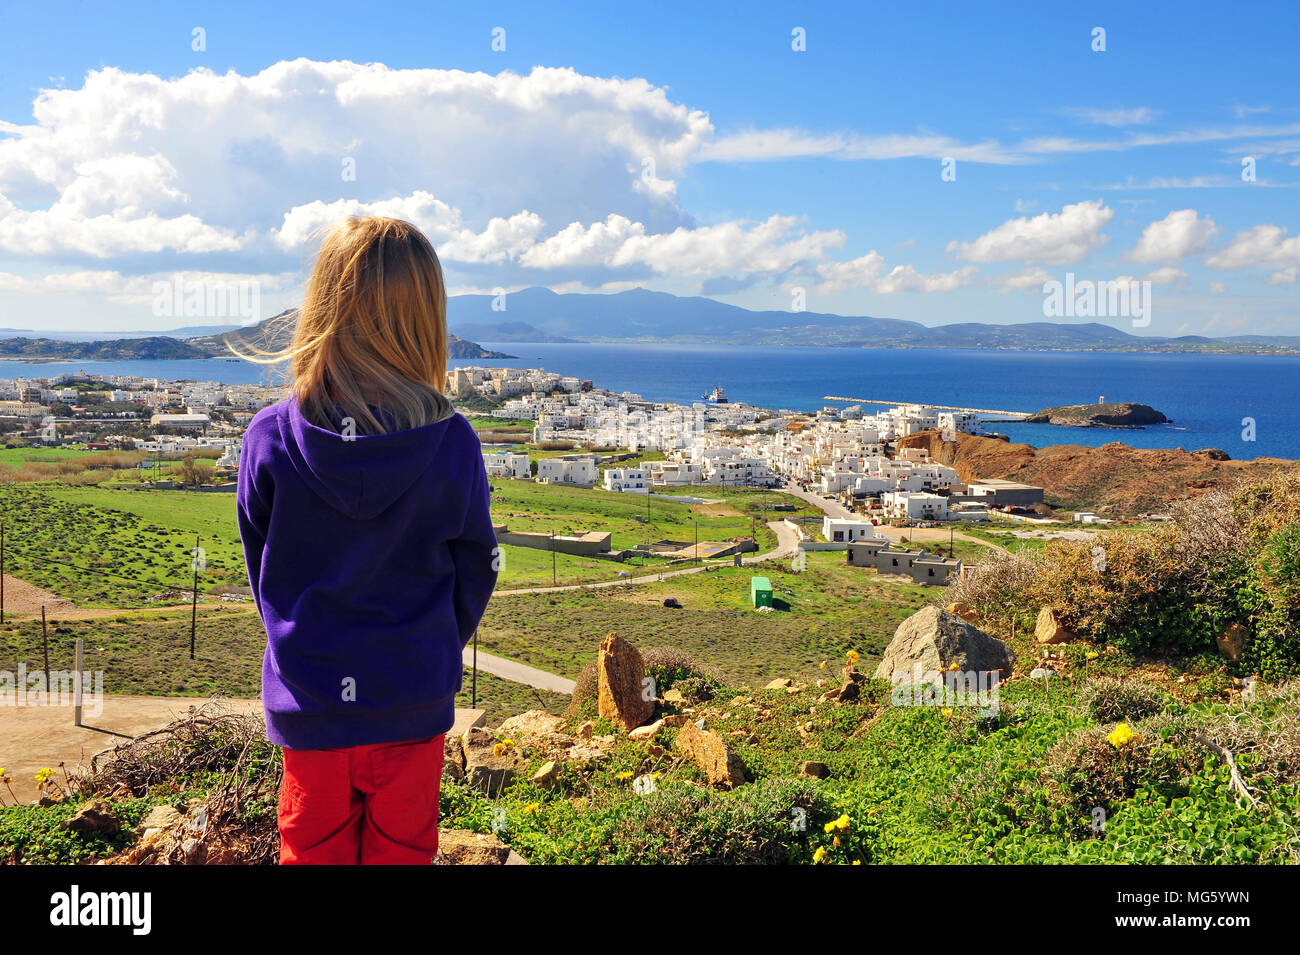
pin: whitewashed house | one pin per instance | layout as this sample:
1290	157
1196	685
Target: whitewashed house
629	480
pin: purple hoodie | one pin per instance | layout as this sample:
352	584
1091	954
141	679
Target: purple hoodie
371	560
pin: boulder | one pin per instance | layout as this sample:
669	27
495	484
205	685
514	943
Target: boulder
547	775
778	684
1232	642
649	731
530	723
95	818
1048	629
932	636
462	847
159	817
711	754
962	609
453	758
619	672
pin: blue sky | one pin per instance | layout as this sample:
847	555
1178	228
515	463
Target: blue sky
682	147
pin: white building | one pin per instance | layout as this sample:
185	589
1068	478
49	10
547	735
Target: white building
914	505
631	480
506	464
837	530
577	469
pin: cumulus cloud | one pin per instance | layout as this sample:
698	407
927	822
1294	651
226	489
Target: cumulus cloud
1176	236
1054	238
868	271
1263	245
1029	279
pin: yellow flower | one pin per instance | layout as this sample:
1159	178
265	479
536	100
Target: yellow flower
1091	655
836	841
829	827
498	749
822	665
946	711
819	855
1122	735
854	656
43	776
857	862
952	668
624	776
533	807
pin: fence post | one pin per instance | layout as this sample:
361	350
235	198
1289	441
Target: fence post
194	602
473	692
76	686
45	645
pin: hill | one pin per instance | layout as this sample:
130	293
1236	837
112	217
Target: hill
1113	479
276	332
121	349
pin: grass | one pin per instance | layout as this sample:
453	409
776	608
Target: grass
832	608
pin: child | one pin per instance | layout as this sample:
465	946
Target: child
363	509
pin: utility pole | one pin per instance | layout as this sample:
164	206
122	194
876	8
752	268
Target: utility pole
697	540
553	580
2	573
45	645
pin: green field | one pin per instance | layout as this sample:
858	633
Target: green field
832	608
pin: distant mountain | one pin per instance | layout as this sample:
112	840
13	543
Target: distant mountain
121	349
507	332
276	332
538	314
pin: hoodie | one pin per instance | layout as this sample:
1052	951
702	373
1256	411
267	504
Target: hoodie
371	560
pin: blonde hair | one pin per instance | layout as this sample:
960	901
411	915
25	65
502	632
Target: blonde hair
372	330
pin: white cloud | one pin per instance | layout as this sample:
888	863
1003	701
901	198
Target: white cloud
1135	116
905	278
1262	245
1286	276
855	273
1029	279
868	271
1054	238
775	144
1218	288
1176	236
1166	276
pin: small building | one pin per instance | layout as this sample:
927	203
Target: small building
839	530
506	464
929	569
760	592
628	480
1000	493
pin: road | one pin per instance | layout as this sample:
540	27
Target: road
517	672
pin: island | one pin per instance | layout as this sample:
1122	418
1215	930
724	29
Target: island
1112	414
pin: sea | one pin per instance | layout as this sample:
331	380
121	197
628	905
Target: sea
1246	405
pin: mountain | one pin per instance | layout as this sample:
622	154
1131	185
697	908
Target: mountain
121	349
540	315
507	332
275	333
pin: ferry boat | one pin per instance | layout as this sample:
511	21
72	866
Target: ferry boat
717	396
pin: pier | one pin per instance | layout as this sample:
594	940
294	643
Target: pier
1010	415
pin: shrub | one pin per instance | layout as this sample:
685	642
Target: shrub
1110	700
688	825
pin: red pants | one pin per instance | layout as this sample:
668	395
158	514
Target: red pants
362	805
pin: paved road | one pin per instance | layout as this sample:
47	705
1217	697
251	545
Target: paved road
517	672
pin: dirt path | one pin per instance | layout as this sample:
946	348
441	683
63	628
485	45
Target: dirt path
24	598
96	613
517	672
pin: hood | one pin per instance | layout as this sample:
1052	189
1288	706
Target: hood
364	475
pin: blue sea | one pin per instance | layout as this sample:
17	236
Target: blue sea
1207	396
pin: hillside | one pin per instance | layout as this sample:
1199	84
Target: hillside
122	349
276	332
1113	479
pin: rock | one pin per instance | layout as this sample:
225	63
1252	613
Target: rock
675	719
673	602
962	609
1232	642
1042	673
778	684
1214	454
1114	414
931	636
159	817
649	731
95	818
585	731
531	723
453	758
711	754
547	775
462	847
1050	630
674	696
619	672
485	770
814	770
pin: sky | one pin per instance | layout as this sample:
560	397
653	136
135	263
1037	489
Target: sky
170	165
